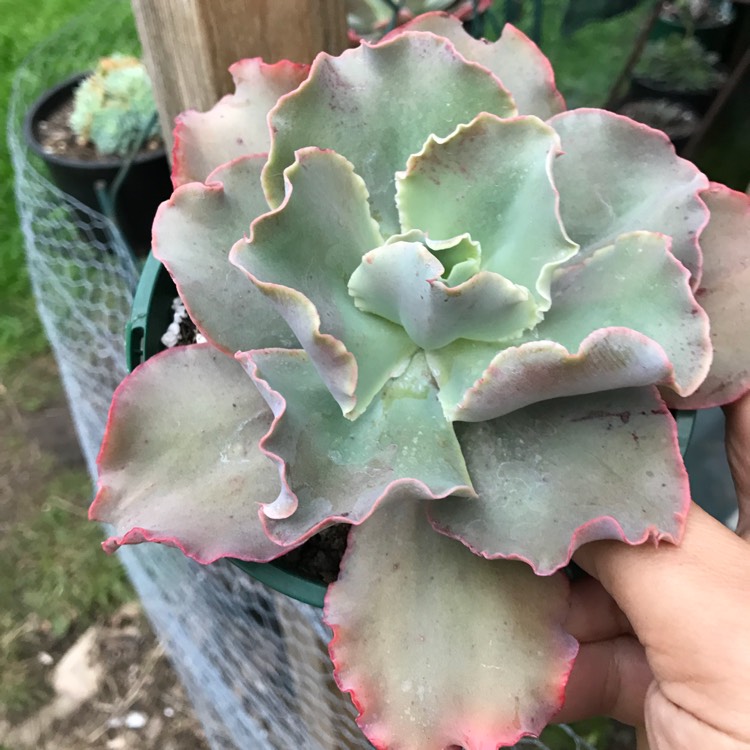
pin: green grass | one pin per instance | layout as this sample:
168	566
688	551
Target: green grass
56	580
24	25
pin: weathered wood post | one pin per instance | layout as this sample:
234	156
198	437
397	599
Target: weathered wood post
189	44
187	47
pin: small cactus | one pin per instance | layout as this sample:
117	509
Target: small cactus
114	108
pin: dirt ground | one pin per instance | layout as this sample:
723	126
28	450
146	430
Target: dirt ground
114	689
102	684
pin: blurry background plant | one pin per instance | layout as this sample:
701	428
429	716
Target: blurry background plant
698	14
675	119
114	107
680	64
370	19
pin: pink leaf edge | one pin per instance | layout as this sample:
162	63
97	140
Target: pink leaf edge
379	744
211	185
138	534
471	406
714	393
281	70
338	358
650	132
602	527
512	30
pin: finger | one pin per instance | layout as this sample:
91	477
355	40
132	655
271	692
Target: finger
738	453
688	605
609	678
594	614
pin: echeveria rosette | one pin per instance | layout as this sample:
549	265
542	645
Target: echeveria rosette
449	248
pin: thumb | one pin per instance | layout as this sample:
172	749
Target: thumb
738	454
689	606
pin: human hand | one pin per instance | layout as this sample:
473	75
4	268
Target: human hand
665	632
738	453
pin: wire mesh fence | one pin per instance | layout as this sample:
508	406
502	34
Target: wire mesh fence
254	663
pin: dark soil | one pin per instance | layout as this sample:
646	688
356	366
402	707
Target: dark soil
319	558
56	137
135	701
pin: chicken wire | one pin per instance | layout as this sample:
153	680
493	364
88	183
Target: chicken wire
254	663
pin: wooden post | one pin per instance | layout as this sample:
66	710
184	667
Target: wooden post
189	44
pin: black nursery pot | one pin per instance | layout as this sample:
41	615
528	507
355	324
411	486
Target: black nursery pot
146	184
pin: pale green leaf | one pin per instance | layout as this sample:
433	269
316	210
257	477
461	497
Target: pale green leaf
376	105
301	257
193	234
561	473
441	648
180	462
334	469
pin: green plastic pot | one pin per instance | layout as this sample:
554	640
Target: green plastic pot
150	317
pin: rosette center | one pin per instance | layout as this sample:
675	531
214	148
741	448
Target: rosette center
438	293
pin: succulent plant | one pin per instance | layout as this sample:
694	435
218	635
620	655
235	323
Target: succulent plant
114	107
456	322
680	63
694	14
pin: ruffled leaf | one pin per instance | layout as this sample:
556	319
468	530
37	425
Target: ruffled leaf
617	176
301	257
401	282
513	58
347	104
180	462
482	180
724	293
624	317
559	474
235	126
193	234
334	470
440	648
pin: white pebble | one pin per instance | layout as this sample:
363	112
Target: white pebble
136	720
45	658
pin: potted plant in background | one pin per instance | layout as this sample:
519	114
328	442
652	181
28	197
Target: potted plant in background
99	138
709	20
370	19
447	314
679	69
